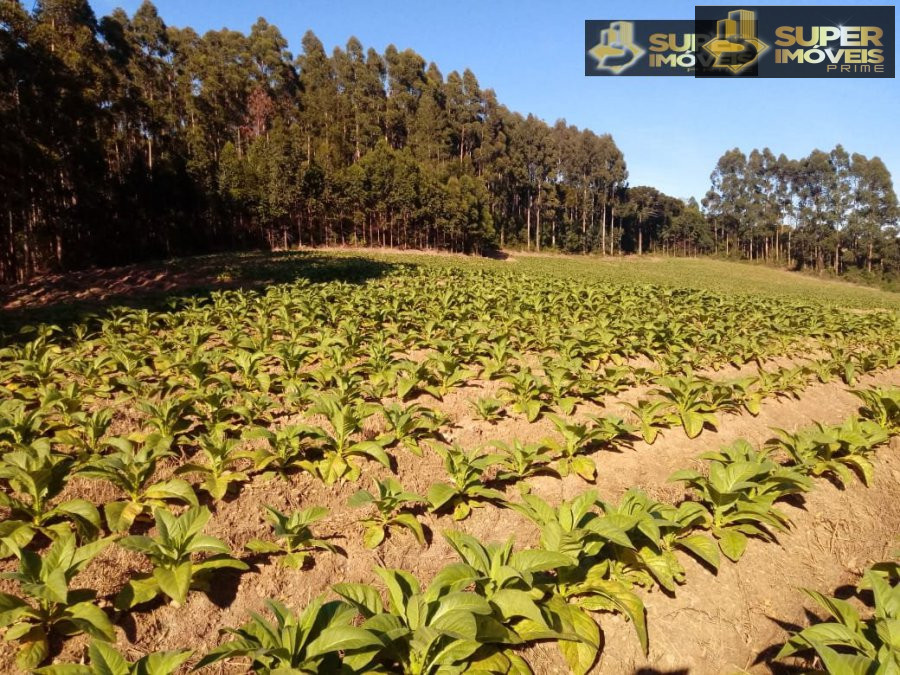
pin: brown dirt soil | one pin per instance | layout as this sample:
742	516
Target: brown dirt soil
714	624
132	281
209	272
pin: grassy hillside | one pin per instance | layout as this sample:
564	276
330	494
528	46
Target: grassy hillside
699	273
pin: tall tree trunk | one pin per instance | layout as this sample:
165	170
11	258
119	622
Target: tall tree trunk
528	224
640	236
584	223
603	227
612	229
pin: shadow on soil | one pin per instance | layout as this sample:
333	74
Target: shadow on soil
801	662
67	299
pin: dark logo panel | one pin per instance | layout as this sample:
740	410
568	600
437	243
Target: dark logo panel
645	47
748	41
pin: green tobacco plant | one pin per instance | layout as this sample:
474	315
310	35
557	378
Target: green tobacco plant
441	629
656	530
21	424
467	472
40	359
653	416
410	424
739	494
411	377
445	372
308	643
35	475
295	533
86	434
582	589
689	397
173	551
170	417
495	364
337	445
562	387
744	391
519	460
824	369
389	501
780	383
488	408
578	439
47	604
836	450
575	530
866	645
881	406
219	405
131	469
105	659
220	471
345	384
285	449
846	363
526	392
513	582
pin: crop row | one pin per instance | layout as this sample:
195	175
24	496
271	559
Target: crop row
327	451
477	613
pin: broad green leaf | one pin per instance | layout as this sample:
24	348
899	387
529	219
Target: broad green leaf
360	498
120	515
165	663
373	536
409	521
457	623
585	467
174	488
732	543
439	494
91	619
701	546
364	597
580	655
82	509
342	638
34	649
174	582
105	660
516	603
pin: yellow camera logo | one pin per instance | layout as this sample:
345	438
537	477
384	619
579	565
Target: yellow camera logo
736	46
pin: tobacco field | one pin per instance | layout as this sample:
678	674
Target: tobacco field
410	465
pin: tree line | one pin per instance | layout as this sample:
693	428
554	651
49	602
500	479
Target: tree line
122	139
828	210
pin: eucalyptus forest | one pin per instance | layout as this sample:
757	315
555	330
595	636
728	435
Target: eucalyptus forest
126	139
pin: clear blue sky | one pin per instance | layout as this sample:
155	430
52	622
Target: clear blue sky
531	54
